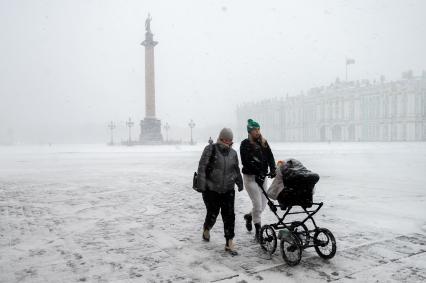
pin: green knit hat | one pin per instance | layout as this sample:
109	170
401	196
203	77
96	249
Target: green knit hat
251	125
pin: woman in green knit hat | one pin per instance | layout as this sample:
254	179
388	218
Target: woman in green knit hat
256	156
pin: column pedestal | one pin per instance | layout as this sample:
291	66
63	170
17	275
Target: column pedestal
150	131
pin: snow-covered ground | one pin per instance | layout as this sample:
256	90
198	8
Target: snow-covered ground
106	214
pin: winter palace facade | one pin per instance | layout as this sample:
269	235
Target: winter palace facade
345	111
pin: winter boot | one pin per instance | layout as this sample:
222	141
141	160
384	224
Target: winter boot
206	235
229	247
248	218
257	227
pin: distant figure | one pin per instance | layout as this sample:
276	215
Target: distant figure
218	173
210	140
256	156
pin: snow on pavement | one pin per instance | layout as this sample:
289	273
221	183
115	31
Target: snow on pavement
75	213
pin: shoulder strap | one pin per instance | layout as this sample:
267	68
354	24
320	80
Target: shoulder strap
213	153
209	166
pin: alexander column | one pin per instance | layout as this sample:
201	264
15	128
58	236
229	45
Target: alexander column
150	125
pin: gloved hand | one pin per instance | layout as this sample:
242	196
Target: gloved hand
272	173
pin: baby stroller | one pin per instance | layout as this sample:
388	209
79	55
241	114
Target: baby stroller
295	236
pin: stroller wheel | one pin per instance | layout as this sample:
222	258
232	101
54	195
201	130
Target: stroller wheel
324	243
268	239
291	250
302	233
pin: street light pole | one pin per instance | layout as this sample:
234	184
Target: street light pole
111	126
130	124
166	128
191	126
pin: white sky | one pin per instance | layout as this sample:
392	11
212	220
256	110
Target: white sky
68	63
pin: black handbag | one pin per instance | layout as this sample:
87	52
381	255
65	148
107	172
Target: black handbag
195	182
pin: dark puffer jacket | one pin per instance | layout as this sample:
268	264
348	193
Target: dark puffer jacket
221	173
256	158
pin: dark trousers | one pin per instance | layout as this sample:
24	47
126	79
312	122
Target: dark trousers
224	203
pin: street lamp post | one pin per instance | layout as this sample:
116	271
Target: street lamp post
167	128
111	126
130	124
191	126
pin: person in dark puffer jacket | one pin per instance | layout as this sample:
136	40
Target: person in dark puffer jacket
257	157
219	172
